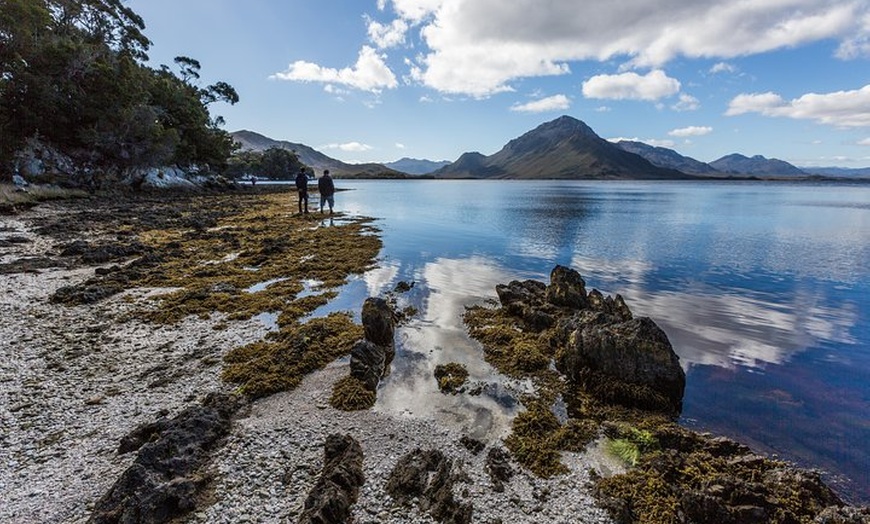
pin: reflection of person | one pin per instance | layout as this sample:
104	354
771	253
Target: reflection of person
327	190
302	189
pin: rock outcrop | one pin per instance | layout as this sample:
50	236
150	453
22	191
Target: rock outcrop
428	477
602	347
337	488
167	476
370	358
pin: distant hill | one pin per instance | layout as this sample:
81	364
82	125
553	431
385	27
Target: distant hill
414	166
565	148
840	172
668	158
251	141
756	166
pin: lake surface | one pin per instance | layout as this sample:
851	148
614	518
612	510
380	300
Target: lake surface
762	288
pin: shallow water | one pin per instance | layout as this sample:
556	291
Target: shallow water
762	288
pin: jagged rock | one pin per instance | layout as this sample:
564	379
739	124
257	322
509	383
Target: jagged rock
338	486
636	352
567	288
428	477
370	358
166	477
367	363
378	323
499	468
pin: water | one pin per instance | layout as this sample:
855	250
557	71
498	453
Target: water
762	288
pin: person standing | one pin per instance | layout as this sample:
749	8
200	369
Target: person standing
327	190
302	189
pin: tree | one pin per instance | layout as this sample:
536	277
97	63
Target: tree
73	78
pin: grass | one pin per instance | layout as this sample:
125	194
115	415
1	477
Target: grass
13	200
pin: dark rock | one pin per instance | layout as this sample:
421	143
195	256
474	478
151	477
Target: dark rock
367	363
637	353
403	287
516	296
567	288
13	240
337	488
499	468
167	475
428	477
378	322
472	444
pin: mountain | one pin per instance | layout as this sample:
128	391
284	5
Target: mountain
564	148
839	172
756	166
414	166
251	141
668	158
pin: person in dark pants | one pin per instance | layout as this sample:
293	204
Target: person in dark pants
327	190
302	189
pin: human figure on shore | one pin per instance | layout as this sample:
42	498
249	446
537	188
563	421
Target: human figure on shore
327	190
302	189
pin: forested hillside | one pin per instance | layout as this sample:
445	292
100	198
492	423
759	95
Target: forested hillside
80	105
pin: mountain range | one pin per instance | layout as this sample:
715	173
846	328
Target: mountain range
564	148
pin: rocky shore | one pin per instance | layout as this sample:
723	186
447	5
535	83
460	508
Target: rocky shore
139	382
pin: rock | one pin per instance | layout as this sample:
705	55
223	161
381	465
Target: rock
567	288
378	323
367	363
427	476
843	515
630	363
337	488
498	467
166	478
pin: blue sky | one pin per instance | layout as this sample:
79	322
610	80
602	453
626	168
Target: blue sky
377	80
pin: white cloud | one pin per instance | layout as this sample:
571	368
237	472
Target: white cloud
387	35
865	142
723	67
551	103
631	86
691	131
400	145
478	47
840	108
355	147
370	73
686	103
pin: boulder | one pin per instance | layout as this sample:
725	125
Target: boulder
367	363
567	288
636	352
337	488
378	323
427	477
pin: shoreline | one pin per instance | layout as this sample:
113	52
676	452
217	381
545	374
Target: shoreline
72	390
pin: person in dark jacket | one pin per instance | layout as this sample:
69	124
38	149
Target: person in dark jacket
327	190
302	189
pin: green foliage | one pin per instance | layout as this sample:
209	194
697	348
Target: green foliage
275	162
72	77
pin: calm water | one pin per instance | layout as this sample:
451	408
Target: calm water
763	289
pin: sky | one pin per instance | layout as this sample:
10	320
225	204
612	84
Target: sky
379	80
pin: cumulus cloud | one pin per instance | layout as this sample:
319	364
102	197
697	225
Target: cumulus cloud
354	147
550	103
840	108
478	47
370	73
691	131
631	86
387	35
686	103
723	67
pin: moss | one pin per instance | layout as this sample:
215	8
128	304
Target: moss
451	377
350	394
266	367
